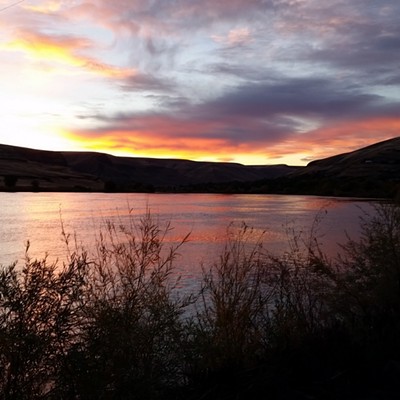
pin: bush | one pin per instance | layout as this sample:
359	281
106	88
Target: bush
337	322
131	338
368	284
234	301
297	325
39	321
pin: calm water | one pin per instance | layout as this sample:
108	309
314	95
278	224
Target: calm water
37	217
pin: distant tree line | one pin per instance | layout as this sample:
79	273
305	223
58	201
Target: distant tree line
308	185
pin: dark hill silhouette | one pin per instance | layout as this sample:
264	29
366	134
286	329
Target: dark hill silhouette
167	172
380	161
24	169
372	171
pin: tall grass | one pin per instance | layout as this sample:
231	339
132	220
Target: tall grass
234	300
298	325
131	336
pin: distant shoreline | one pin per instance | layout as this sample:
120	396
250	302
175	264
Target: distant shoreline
370	172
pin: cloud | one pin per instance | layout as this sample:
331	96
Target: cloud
358	38
274	118
330	140
161	136
45	7
307	97
146	82
170	19
216	76
65	50
235	37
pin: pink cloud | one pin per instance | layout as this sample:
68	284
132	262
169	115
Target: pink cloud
337	138
235	37
155	136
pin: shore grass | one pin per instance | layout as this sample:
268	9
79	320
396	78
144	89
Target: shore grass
293	326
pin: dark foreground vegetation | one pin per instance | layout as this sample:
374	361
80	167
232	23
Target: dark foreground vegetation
297	326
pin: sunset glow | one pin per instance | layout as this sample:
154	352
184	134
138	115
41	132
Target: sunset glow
255	82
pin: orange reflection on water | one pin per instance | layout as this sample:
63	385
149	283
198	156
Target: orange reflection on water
37	217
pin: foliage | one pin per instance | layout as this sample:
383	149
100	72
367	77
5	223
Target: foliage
301	279
234	301
131	338
299	325
368	294
39	320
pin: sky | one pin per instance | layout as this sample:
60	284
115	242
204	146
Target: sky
248	81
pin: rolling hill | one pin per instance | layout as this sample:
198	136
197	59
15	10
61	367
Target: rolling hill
372	171
378	161
27	169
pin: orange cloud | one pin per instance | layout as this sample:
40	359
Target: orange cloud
64	50
139	144
340	138
160	136
163	137
46	7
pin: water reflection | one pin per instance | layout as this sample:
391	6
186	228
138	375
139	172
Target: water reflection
37	217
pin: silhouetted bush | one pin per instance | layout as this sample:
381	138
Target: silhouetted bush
131	336
234	301
298	325
368	280
39	322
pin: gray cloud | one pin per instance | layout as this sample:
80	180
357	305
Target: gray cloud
146	82
267	112
298	97
255	71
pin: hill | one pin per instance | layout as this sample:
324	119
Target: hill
372	171
378	161
23	169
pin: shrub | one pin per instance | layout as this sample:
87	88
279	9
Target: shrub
337	322
227	332
368	285
131	341
301	279
39	316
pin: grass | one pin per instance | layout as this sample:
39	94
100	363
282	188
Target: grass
297	325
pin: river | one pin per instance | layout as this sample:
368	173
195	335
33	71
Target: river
38	217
